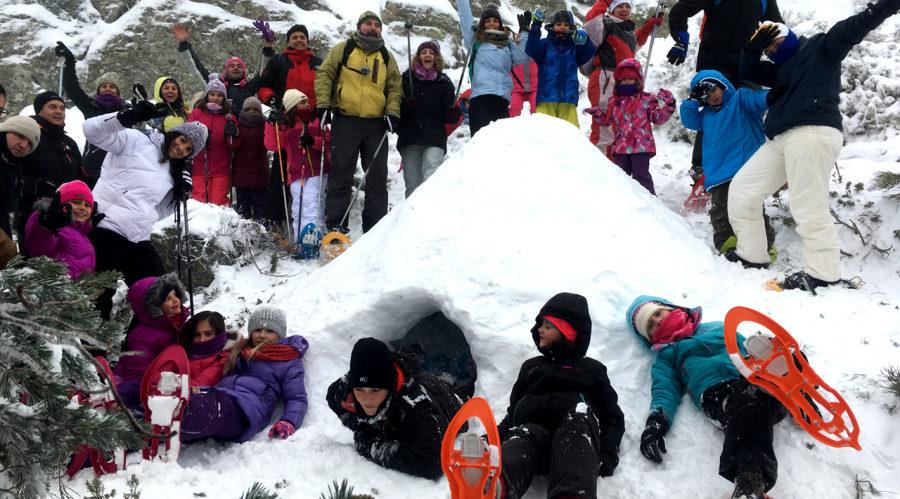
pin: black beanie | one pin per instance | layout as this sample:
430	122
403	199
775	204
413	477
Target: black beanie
298	27
490	10
372	365
41	100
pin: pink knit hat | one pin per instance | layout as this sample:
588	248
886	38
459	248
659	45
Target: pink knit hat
75	189
238	59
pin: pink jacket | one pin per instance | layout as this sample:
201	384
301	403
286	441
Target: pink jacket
632	116
527	74
217	157
297	160
68	246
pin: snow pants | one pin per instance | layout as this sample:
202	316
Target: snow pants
517	102
483	110
600	89
718	217
747	414
562	110
637	166
569	455
218	190
303	209
212	413
251	203
738	82
419	163
134	260
803	157
353	138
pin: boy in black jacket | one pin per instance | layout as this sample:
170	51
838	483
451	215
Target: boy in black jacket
563	416
804	135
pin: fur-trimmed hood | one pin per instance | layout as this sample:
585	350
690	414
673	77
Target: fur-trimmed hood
144	297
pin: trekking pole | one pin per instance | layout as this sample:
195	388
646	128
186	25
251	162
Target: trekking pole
61	64
287	215
206	170
409	26
187	243
465	65
230	119
652	38
362	183
178	235
319	197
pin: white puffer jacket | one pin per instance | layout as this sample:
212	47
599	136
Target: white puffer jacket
135	189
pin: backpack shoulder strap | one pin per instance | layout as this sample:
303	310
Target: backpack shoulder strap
472	59
348	49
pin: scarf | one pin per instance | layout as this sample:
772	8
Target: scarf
273	353
204	349
213	108
677	326
252	119
424	74
108	100
176	319
500	39
369	43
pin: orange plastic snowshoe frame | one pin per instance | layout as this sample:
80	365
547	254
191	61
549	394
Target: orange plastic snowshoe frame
333	245
790	388
453	461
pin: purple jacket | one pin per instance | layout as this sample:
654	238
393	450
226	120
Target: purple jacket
69	246
258	385
152	335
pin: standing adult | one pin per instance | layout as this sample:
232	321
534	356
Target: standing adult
359	83
19	137
726	28
426	111
107	99
234	75
493	57
55	161
144	176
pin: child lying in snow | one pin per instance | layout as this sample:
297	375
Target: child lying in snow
557	401
208	346
692	356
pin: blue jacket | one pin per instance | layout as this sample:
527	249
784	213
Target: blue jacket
492	64
693	364
258	385
557	60
730	135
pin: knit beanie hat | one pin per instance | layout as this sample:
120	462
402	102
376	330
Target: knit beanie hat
295	28
642	317
110	77
430	44
372	365
293	97
788	46
75	189
196	132
490	11
616	3
215	84
366	16
268	317
41	100
252	103
24	126
564	327
561	15
238	59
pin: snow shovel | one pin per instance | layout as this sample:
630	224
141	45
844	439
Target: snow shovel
696	202
335	242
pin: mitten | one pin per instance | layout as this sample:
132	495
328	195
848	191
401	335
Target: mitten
282	429
57	216
138	90
365	437
655	21
182	191
676	54
653	440
666	96
762	38
307	140
696	172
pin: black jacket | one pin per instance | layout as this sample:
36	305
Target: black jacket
236	92
812	75
93	155
550	386
406	433
426	124
9	172
729	25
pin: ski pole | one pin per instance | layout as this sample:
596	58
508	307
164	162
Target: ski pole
187	243
178	235
362	182
230	119
322	181
206	170
408	27
464	67
61	64
652	38
287	215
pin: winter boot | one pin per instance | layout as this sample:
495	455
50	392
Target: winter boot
729	243
773	254
749	484
804	281
732	256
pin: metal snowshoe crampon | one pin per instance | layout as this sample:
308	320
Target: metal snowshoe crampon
474	469
165	392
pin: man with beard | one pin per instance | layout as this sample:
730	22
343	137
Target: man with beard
359	85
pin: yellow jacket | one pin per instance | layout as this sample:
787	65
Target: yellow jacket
176	116
372	96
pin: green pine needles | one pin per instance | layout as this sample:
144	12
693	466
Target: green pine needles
888	181
891	380
257	491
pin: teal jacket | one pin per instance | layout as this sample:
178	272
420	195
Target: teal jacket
693	364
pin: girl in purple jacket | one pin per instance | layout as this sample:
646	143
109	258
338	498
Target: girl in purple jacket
261	370
59	228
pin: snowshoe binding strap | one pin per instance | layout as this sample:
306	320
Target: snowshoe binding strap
474	469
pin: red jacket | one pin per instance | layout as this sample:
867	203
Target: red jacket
298	162
616	36
291	69
250	167
208	371
462	115
217	157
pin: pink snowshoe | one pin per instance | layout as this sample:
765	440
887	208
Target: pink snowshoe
165	392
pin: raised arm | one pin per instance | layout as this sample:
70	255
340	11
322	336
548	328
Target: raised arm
70	80
466	21
107	133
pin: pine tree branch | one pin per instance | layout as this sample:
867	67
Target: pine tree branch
30	305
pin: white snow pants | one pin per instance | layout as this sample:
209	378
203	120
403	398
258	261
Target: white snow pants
419	163
607	135
306	214
802	157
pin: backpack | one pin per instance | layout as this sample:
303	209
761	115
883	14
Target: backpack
348	49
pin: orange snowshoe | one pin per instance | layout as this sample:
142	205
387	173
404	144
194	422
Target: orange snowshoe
474	469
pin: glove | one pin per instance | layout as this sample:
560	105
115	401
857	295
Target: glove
324	116
652	440
162	110
273	101
364	437
142	111
524	20
696	172
775	94
676	54
883	9
580	37
44	188
655	21
762	38
263	27
283	429
274	117
410	103
231	129
96	216
701	89
608	463
393	122
57	216
307	140
454	113
182	191
62	51
138	90
538	16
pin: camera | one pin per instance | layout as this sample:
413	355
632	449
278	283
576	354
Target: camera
365	70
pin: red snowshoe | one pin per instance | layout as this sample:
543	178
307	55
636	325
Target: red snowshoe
474	470
696	202
165	392
103	402
774	363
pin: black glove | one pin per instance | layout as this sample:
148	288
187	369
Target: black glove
183	189
96	216
883	9
273	101
364	437
679	51
274	117
524	20
410	103
162	110
653	439
696	172
62	51
44	188
701	89
762	38
608	463
231	129
775	94
142	111
57	216
138	90
307	140
393	122
324	115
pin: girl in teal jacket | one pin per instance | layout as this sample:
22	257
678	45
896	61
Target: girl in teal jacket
691	356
